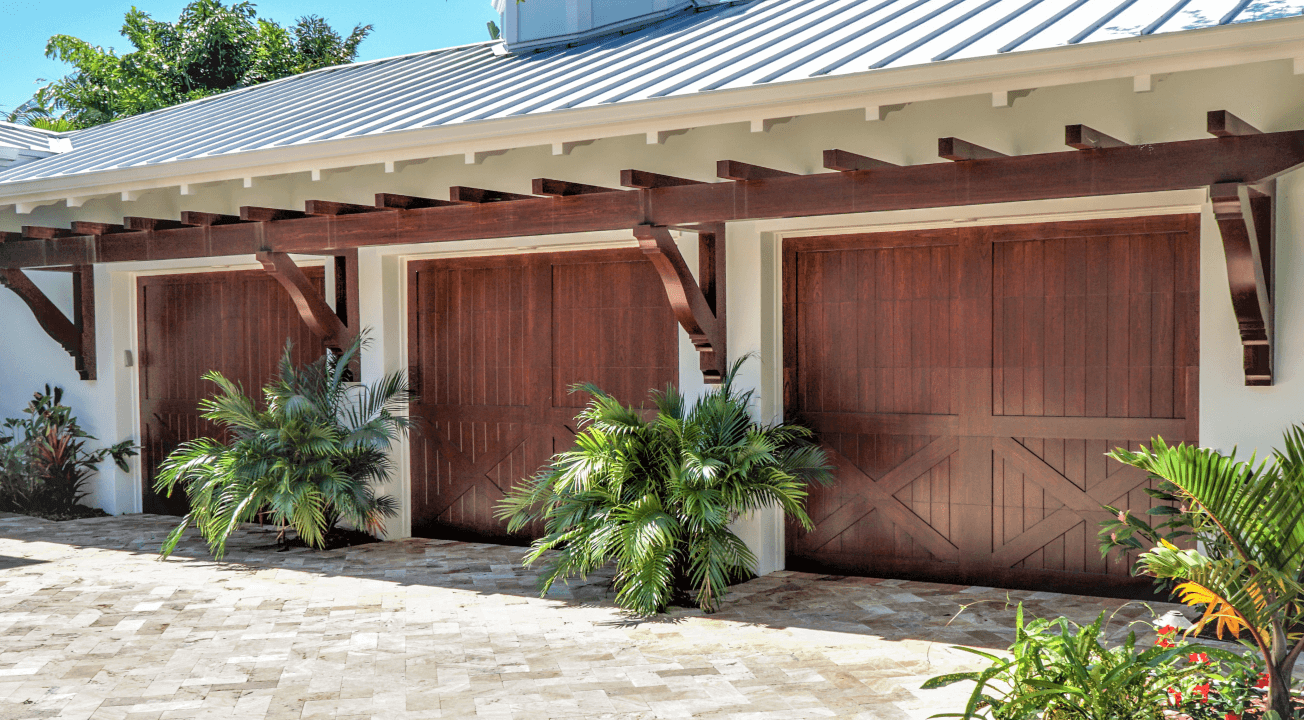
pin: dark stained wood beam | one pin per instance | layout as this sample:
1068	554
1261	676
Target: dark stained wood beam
562	188
743	172
649	181
1156	167
1082	137
252	213
327	207
1225	124
316	314
951	148
711	277
77	335
152	224
39	232
844	161
207	219
687	300
408	202
80	227
11	237
1244	218
463	194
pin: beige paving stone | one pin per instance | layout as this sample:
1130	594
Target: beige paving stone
98	629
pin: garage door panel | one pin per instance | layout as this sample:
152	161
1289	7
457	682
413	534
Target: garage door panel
1033	348
236	323
497	342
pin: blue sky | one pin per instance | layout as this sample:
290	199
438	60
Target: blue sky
402	26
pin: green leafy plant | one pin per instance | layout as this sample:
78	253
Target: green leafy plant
657	496
1252	581
44	460
309	458
1059	670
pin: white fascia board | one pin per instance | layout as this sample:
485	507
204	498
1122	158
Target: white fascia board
1124	58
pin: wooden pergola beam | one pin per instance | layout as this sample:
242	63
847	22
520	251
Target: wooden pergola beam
328	207
844	161
148	224
563	188
40	232
316	314
1244	217
390	201
1081	137
75	335
687	299
745	172
81	227
1224	124
1189	164
252	213
207	219
957	150
462	194
650	181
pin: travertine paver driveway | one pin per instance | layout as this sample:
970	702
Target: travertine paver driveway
93	626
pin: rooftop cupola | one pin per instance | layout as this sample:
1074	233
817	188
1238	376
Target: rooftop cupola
540	24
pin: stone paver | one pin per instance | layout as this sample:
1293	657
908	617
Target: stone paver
93	626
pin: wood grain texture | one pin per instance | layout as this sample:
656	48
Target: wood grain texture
968	383
75	335
496	345
1245	222
236	323
676	202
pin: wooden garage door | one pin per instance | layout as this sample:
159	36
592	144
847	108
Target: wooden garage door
233	322
495	343
968	383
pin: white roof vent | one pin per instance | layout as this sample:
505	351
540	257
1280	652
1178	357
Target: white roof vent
538	24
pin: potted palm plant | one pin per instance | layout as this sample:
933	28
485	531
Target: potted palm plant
657	497
310	458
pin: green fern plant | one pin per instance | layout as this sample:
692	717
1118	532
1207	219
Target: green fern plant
310	458
657	496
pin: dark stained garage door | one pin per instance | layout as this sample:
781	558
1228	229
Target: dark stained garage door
968	382
233	322
494	344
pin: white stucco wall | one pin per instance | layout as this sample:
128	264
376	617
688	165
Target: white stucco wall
1266	94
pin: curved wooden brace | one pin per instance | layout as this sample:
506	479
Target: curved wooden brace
316	314
76	336
702	317
1245	221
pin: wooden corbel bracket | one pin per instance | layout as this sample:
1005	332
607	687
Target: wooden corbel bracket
316	314
76	335
1245	221
699	308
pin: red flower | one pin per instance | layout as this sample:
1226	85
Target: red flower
1263	682
1167	630
1203	690
1176	696
1199	658
1231	716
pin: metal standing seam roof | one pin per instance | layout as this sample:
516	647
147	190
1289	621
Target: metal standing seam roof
731	45
26	138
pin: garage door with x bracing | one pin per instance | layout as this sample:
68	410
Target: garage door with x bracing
233	322
494	345
967	383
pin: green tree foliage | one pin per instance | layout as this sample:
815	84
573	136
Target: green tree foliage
310	457
211	48
657	496
1251	578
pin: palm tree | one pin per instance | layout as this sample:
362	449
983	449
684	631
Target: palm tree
310	458
658	496
1255	581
